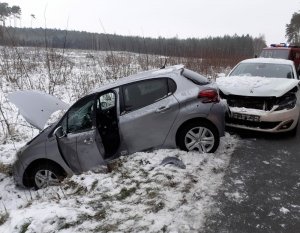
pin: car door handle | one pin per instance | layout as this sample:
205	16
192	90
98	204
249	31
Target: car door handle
162	109
88	141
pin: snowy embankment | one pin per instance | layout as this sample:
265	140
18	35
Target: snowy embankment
137	195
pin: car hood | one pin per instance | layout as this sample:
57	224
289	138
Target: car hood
36	106
255	86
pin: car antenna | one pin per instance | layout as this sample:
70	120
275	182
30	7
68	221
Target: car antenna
164	66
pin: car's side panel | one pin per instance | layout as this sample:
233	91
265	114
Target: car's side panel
148	127
52	153
89	156
68	149
81	151
39	151
191	107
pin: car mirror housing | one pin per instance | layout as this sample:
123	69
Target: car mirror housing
59	133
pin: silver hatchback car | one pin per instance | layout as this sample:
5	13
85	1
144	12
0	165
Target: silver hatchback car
167	108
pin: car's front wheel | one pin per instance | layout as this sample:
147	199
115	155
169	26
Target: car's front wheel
45	175
199	136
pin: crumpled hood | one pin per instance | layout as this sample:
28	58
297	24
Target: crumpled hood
36	106
255	86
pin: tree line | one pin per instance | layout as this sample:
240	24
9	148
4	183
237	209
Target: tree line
224	47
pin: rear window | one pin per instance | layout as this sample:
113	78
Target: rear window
195	77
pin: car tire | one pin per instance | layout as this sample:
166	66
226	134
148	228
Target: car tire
46	174
199	136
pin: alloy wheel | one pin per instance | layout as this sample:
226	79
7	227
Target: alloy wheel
200	139
44	178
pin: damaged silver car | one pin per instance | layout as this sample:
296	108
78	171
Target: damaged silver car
167	108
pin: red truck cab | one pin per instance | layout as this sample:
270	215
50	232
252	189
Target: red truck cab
283	51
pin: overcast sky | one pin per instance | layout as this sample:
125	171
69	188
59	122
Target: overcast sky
166	18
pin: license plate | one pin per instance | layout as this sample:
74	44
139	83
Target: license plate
245	117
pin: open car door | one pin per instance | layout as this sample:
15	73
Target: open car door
78	139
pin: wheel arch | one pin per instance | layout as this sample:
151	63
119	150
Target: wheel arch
27	181
193	120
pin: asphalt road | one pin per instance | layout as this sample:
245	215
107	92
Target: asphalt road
261	191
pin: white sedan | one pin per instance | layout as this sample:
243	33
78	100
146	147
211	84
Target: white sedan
262	95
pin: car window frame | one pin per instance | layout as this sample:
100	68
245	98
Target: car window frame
66	115
99	94
170	91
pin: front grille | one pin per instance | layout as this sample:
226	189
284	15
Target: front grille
253	124
261	103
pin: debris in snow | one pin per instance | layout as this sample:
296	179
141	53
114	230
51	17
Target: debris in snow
238	182
271	214
174	161
284	210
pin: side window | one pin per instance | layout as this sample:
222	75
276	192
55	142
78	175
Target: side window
141	94
106	101
172	86
79	116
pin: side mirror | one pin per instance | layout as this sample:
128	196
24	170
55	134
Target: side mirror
59	133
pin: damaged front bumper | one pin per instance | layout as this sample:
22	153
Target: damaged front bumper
263	121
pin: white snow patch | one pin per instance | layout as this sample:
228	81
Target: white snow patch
238	182
138	195
236	196
284	210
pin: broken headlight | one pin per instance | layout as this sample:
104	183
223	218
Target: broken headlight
287	101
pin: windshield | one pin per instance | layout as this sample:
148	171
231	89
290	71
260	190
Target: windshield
275	53
263	70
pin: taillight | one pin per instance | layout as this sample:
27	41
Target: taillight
209	96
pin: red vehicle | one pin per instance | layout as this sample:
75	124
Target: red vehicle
284	51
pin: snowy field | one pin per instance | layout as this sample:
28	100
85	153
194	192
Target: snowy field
137	195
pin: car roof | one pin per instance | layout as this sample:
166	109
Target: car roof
268	60
140	76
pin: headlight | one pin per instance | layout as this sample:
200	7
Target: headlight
287	101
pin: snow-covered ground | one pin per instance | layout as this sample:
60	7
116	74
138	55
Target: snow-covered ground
137	195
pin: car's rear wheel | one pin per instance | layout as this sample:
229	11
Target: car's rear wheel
45	175
199	136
